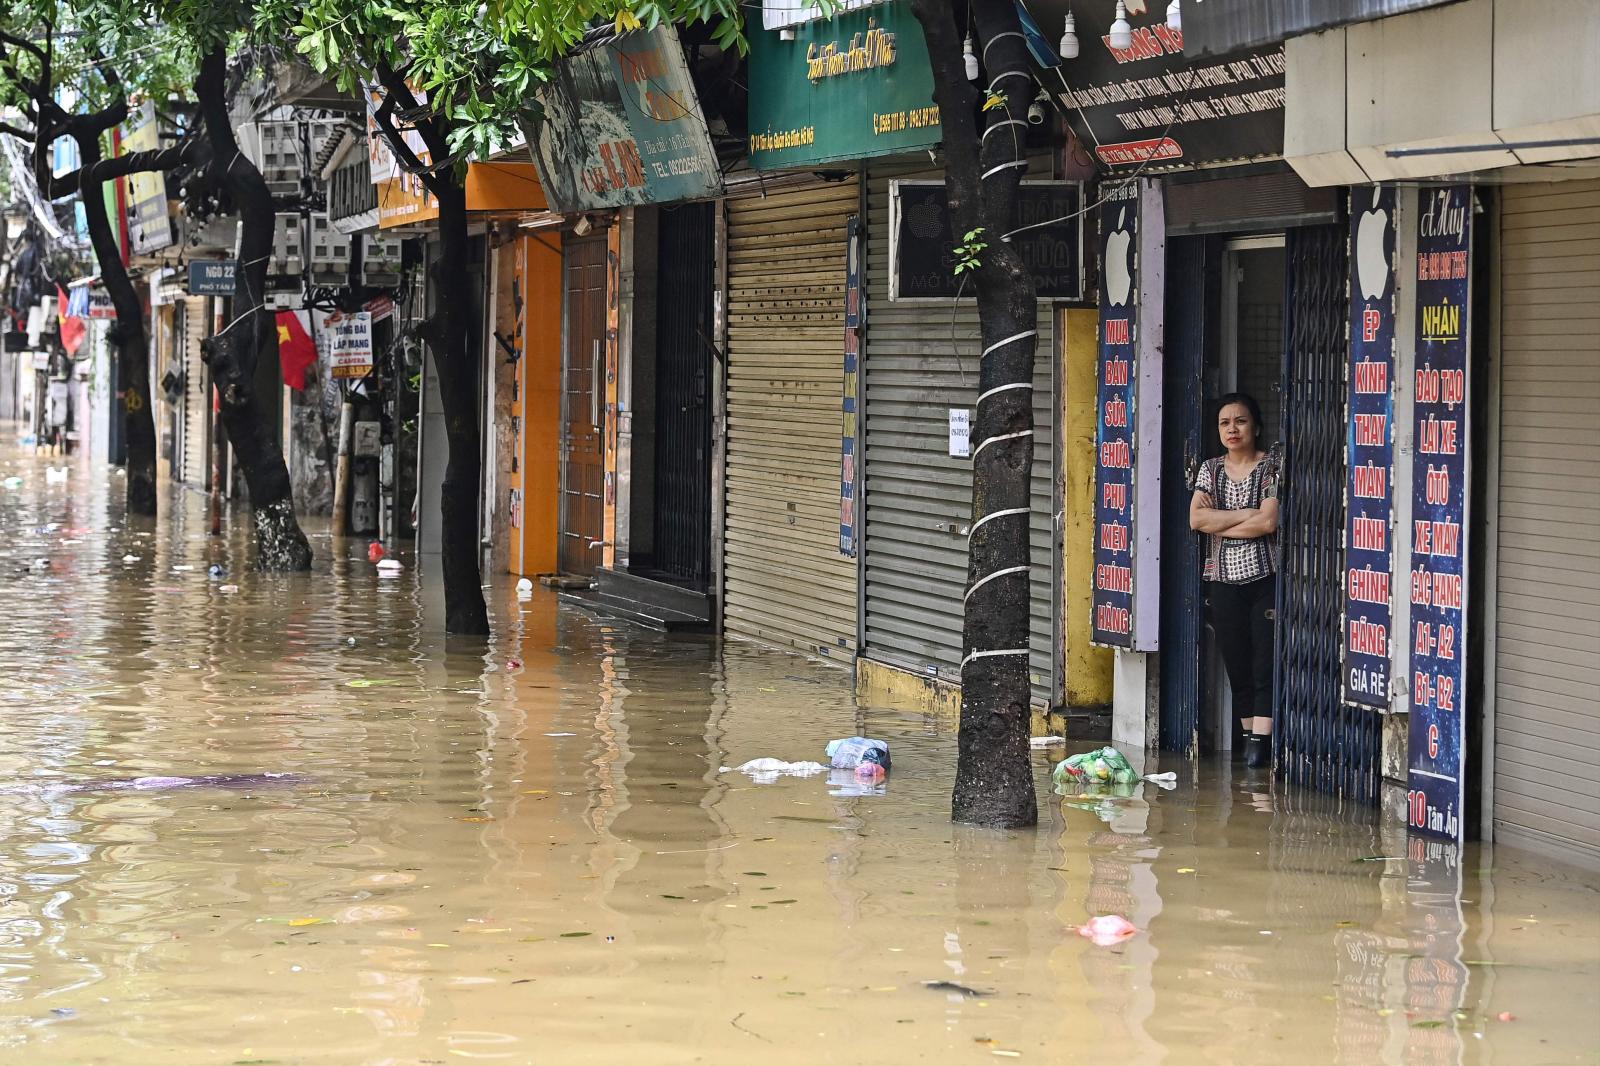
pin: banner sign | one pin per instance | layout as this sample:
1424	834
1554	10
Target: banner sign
849	433
348	338
1223	26
149	225
851	87
211	277
402	198
1208	111
1439	513
1114	440
1369	450
922	243
622	125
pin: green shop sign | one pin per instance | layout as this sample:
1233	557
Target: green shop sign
849	87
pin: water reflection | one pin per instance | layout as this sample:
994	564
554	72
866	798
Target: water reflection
524	851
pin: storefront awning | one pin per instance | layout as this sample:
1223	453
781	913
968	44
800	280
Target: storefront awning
1217	27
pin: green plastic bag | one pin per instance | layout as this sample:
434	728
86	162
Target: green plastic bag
1104	768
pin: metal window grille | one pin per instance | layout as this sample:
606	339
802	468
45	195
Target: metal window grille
1319	741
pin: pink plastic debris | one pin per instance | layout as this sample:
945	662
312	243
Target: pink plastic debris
1107	929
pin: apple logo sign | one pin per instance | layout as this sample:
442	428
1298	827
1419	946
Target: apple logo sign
1372	266
1119	278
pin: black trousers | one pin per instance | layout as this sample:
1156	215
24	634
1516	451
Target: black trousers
1243	618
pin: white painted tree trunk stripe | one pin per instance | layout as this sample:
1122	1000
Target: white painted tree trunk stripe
982	581
982	396
997	345
992	171
996	514
992	654
1001	437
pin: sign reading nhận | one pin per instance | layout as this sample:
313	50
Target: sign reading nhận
1112	599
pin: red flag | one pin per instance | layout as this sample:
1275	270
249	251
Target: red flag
72	328
296	350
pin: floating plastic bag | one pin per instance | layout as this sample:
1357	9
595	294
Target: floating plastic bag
1107	929
766	771
848	753
1103	767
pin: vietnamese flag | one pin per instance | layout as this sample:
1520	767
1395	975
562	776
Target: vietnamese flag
296	350
72	328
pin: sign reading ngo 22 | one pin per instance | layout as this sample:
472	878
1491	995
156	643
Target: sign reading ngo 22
1112	599
849	87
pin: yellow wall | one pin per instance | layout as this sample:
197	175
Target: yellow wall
1088	669
539	402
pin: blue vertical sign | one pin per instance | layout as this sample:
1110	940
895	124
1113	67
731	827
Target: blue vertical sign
1439	513
854	320
1113	479
1369	448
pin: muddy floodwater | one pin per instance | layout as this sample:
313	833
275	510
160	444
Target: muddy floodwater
527	852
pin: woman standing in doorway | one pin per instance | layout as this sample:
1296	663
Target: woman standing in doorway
1235	504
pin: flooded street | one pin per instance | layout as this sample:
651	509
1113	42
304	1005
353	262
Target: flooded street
529	853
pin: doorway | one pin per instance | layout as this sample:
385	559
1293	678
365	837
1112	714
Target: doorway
583	406
682	513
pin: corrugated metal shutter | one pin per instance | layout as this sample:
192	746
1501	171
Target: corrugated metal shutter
196	467
785	581
1547	624
919	498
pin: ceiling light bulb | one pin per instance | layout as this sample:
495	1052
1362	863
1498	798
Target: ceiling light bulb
1175	17
968	58
1069	38
1121	36
1036	109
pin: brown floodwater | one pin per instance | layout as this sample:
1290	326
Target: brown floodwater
527	852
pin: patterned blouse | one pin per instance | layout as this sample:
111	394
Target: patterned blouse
1232	560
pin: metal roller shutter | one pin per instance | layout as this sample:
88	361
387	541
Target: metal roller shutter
1547	624
785	581
921	360
196	465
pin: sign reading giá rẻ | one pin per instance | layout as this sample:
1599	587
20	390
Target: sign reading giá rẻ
1112	595
1369	448
849	87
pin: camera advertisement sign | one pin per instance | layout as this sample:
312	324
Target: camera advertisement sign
1438	578
1112	601
1369	450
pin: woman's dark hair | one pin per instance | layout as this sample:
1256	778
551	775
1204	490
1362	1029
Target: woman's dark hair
1248	402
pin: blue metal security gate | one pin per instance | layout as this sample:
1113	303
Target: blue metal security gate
1188	298
1320	742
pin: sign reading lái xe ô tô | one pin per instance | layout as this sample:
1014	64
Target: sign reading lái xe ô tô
849	87
622	124
1438	580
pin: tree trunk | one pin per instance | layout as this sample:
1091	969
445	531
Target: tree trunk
994	776
129	338
251	336
456	365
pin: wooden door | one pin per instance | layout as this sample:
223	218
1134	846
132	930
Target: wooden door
583	406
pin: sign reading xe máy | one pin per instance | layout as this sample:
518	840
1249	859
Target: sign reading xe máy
1435	787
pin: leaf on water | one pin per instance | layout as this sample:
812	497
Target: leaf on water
758	906
578	934
1433	1024
297	922
474	818
1344	925
368	682
763	840
754	873
780	902
667	895
532	939
1186	869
